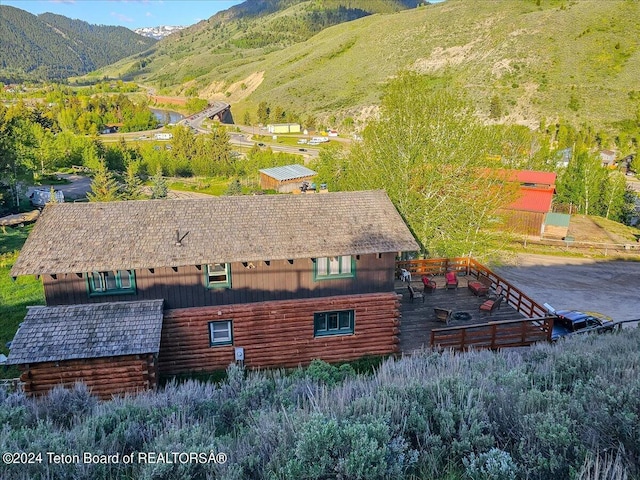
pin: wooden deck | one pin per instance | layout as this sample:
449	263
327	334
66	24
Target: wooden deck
418	318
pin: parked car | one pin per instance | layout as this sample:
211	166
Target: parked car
568	322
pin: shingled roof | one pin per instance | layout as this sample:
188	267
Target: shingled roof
68	332
83	237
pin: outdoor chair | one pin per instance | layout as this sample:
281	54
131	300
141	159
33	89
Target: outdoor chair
442	314
429	285
413	294
451	280
480	287
405	275
490	306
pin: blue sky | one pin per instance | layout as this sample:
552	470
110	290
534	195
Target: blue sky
128	13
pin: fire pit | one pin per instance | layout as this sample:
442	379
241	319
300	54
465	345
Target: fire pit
462	316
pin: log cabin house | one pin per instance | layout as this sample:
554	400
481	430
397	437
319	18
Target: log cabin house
274	280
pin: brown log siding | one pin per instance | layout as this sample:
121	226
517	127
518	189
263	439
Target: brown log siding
278	281
278	333
105	377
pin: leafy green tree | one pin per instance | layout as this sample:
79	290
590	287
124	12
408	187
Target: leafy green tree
195	104
246	119
263	112
429	152
104	188
581	183
614	199
159	188
15	143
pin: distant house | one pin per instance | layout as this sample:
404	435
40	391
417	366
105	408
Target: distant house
284	128
285	179
608	158
111	128
526	214
138	289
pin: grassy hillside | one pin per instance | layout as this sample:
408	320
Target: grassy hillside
576	60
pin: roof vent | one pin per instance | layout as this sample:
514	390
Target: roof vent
179	238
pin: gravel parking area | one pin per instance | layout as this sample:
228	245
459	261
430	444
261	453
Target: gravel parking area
609	287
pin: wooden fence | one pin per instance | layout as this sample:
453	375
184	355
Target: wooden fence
494	335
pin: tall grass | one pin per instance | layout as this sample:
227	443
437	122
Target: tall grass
546	412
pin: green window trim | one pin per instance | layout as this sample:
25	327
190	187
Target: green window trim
340	322
220	333
329	268
217	275
118	282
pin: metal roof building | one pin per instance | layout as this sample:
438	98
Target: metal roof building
285	179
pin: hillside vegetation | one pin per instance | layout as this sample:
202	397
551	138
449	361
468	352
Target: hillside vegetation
548	412
574	60
48	46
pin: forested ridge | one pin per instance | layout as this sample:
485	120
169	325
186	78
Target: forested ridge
49	46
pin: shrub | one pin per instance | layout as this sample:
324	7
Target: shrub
64	406
495	464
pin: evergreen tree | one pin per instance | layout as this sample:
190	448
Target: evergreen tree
103	187
234	188
132	189
159	188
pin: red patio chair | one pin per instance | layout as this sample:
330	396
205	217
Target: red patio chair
429	285
451	280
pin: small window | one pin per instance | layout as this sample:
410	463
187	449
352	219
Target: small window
111	283
334	267
218	275
220	333
333	323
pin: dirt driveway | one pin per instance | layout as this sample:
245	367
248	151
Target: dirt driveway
609	287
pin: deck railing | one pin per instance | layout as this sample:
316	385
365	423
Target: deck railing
468	266
494	335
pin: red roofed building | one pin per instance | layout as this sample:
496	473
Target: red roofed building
527	213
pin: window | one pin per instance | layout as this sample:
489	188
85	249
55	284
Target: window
111	283
220	333
333	323
218	275
334	267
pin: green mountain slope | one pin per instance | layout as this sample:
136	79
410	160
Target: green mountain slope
51	46
577	60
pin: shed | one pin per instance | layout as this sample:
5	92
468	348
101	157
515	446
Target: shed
556	225
111	347
285	179
284	128
525	215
